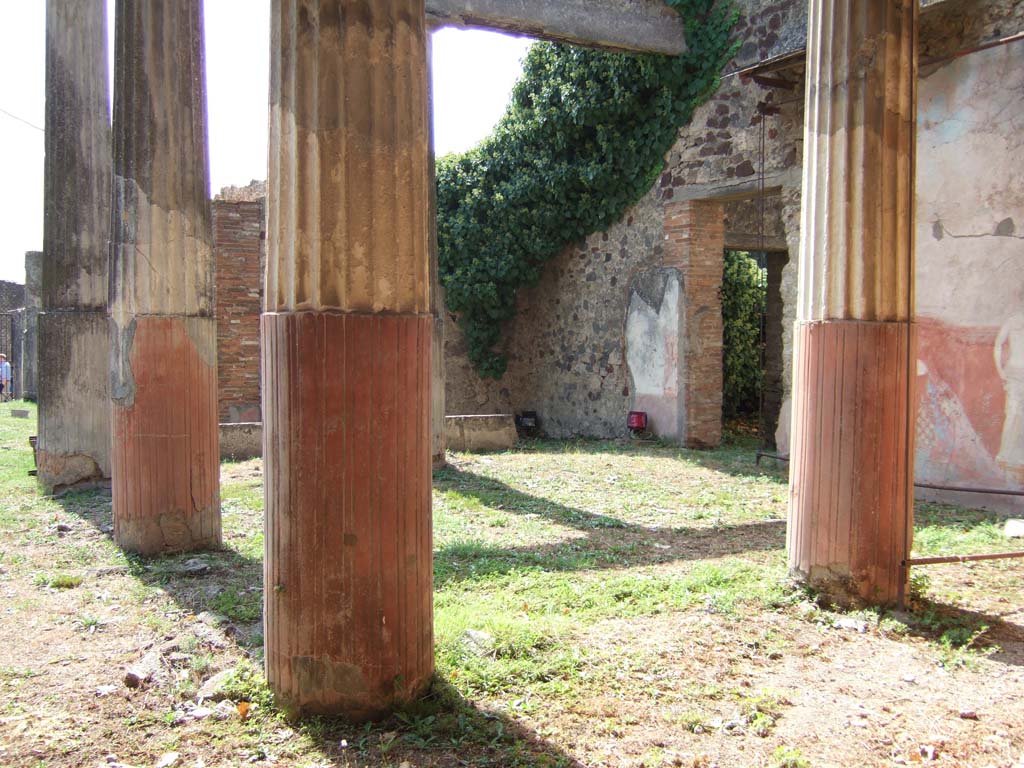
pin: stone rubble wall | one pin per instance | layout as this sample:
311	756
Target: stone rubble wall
567	344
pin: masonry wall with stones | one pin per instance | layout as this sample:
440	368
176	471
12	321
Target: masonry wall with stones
12	295
567	345
239	239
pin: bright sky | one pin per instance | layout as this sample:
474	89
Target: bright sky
473	76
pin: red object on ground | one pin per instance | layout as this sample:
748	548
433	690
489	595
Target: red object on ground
637	420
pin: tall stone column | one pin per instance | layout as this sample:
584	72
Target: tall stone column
346	358
438	442
28	342
74	335
852	456
164	338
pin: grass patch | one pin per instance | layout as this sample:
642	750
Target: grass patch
789	757
554	564
940	529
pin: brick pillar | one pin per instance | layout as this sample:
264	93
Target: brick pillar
74	334
851	470
347	336
239	238
695	245
166	460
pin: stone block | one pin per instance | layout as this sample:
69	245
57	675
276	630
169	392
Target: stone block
489	432
241	441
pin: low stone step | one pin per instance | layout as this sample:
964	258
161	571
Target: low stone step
487	432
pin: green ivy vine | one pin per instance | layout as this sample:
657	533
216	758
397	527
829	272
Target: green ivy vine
584	137
743	305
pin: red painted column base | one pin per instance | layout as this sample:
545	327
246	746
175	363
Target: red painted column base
165	460
348	566
851	467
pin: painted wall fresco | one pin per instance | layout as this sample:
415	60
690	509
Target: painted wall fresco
970	272
653	332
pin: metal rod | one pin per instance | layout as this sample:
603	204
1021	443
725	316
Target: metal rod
931	486
961	558
967	51
967	489
766	454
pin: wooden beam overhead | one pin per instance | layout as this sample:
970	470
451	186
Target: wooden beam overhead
648	26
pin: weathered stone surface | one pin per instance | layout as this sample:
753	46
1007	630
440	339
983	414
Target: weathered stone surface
437	362
12	296
486	432
74	398
347	336
241	440
166	459
166	462
654	327
214	689
566	344
359	241
851	495
347	470
970	280
630	25
162	240
78	161
27	373
145	670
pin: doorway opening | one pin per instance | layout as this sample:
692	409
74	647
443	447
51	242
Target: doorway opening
752	346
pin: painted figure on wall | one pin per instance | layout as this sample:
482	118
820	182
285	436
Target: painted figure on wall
1009	354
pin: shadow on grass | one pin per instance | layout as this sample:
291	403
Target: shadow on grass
441	729
961	520
224	582
737	456
962	634
608	542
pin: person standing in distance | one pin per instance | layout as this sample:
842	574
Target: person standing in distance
5	378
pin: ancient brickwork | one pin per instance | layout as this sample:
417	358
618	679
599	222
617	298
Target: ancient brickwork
239	242
695	245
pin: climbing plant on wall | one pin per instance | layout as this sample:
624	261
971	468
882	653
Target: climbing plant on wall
583	138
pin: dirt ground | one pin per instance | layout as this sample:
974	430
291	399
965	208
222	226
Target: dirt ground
610	676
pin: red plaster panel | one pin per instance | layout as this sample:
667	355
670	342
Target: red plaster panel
850	503
166	457
348	567
963	358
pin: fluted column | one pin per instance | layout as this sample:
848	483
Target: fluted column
164	339
346	358
438	442
74	337
852	457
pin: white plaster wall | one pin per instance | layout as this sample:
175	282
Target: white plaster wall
652	354
970	272
970	180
